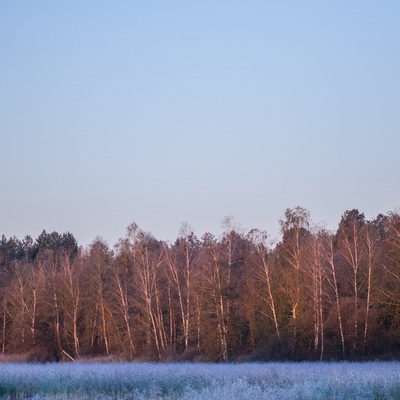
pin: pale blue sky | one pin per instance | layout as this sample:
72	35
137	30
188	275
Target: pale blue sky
162	112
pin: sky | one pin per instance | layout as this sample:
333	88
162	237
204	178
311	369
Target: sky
165	112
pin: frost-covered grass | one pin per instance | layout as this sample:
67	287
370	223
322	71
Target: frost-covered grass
373	380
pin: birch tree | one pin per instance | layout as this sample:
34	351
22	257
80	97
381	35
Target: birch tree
351	249
331	276
100	323
180	260
70	275
266	287
295	233
146	255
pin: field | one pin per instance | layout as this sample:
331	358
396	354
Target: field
373	380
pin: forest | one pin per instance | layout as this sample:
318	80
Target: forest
313	295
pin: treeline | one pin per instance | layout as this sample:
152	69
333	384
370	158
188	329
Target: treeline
314	295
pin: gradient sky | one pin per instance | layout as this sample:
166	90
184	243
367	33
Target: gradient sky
162	112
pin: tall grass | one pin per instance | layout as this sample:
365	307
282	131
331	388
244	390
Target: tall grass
253	381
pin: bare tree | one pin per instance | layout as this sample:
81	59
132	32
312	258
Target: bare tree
295	231
146	257
370	244
214	280
262	263
316	272
70	275
98	265
180	260
123	306
350	245
329	256
29	281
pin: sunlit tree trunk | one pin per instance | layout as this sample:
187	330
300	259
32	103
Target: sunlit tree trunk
172	328
295	231
198	318
321	318
99	264
332	279
219	302
146	256
175	278
104	325
3	342
53	288
29	280
316	273
123	306
263	274
351	249
71	282
370	244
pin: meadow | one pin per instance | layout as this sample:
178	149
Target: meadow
372	380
